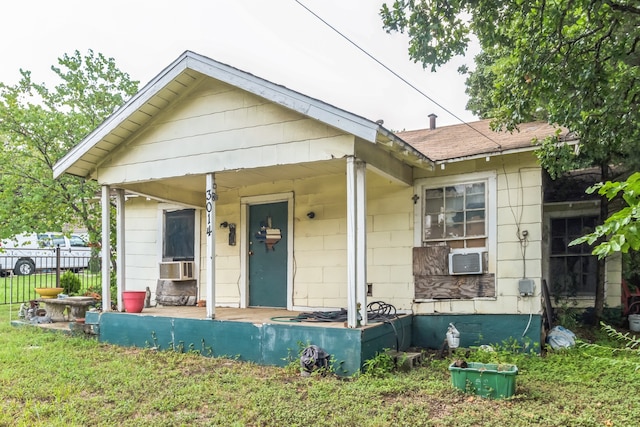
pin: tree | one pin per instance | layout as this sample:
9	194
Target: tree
622	229
575	64
38	126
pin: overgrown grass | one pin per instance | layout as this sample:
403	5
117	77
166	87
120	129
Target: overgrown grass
49	379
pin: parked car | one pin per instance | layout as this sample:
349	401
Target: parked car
24	254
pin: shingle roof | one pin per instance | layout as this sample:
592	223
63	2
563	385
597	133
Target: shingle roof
476	139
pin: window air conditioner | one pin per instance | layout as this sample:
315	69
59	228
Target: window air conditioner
176	270
465	262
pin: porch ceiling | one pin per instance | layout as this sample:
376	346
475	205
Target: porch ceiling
190	188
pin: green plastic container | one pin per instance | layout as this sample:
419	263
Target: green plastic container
485	379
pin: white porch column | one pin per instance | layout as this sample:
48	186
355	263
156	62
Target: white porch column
210	264
356	242
106	249
361	239
120	247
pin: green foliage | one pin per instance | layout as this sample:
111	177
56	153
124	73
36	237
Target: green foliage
39	125
436	30
70	282
630	342
570	63
621	229
381	365
631	269
509	352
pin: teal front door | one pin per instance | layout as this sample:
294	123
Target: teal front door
268	255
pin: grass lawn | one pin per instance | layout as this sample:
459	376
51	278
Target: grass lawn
50	379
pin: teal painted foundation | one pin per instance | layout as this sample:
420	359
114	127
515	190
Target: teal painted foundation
269	344
429	331
279	344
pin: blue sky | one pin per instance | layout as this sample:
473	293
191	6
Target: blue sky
277	40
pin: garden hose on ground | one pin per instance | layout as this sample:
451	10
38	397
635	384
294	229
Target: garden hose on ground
377	311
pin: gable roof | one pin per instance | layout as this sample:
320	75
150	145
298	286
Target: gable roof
476	139
189	69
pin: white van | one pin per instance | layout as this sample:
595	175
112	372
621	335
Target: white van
26	253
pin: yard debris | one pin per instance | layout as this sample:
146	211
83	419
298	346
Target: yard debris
560	337
460	363
313	358
33	313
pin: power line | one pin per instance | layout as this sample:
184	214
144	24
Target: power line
394	73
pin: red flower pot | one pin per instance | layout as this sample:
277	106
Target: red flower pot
133	301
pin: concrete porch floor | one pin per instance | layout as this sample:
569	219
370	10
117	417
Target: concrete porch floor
249	315
254	315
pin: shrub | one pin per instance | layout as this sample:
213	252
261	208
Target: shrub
70	282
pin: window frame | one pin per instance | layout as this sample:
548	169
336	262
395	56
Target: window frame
190	256
450	214
490	179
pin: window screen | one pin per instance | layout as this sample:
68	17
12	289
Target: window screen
573	270
179	235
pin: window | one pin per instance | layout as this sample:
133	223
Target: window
75	240
456	215
573	271
179	235
51	240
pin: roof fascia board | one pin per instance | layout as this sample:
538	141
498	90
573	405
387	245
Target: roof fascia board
422	160
281	95
497	153
485	155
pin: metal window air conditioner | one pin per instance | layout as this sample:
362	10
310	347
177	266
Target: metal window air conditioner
176	270
466	262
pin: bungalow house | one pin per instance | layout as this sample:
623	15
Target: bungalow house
252	199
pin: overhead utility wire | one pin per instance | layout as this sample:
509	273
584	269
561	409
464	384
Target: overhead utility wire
395	74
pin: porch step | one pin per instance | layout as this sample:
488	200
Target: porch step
406	361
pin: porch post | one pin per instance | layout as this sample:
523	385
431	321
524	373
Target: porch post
120	247
210	265
106	249
356	243
361	239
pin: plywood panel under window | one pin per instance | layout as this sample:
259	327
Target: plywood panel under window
455	287
432	279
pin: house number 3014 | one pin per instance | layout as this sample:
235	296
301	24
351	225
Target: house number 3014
211	197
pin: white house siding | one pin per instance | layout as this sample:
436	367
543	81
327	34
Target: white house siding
390	242
518	200
227	257
141	240
319	243
217	127
613	286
